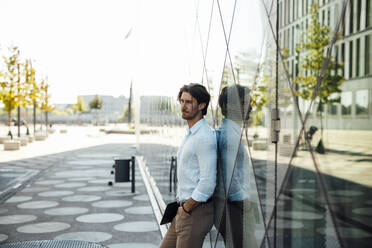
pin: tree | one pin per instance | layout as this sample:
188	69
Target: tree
9	84
34	92
45	103
126	113
311	57
79	106
96	104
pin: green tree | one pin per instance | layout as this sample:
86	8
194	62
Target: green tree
95	105
9	83
33	89
311	58
79	106
45	102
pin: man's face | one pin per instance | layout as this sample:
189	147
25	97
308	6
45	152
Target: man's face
189	106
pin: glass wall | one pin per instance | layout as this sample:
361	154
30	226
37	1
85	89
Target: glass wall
291	106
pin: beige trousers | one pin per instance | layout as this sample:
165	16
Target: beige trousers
190	231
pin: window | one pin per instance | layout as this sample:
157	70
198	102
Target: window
350	59
359	9
361	102
336	59
351	17
369	13
343	58
368	55
346	101
332	108
357	57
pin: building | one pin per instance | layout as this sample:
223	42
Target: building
112	107
354	50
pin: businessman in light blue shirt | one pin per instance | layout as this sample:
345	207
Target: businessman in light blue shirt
197	158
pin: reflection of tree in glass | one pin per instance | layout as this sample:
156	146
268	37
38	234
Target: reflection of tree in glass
311	58
96	104
79	107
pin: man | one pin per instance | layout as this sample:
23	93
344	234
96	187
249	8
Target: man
196	173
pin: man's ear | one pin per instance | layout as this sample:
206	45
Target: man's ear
201	105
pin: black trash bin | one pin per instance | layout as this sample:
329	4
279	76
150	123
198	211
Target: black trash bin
122	170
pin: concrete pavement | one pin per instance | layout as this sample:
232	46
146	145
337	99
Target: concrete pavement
63	192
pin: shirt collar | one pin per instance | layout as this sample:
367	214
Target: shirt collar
195	127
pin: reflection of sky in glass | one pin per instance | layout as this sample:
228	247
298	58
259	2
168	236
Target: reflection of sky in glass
362	98
346	98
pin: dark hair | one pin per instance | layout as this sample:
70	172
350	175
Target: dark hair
235	95
199	92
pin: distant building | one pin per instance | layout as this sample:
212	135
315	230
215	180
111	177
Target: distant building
112	107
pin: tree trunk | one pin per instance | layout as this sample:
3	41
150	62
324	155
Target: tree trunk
34	117
9	118
46	121
19	121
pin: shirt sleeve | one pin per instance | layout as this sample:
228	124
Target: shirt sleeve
206	153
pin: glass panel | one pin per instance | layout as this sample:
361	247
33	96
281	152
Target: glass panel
346	101
361	102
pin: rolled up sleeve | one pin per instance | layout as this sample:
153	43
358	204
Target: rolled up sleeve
206	153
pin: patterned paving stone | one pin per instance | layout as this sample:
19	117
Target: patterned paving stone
99	181
16	219
94	189
91	162
81	179
127	185
43	227
139	210
289	225
120	193
49	182
300	215
18	199
345	193
345	232
137	226
100	218
133	245
363	211
81	198
85	236
3	210
70	185
141	198
98	155
37	204
87	173
112	204
34	189
3	237
56	193
66	211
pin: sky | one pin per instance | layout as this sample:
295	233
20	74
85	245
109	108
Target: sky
81	45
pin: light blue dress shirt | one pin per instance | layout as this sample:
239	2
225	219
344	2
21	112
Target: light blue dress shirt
196	161
234	161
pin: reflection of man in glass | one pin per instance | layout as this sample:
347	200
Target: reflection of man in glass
196	173
235	218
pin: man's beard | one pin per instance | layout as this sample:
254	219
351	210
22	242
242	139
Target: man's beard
189	117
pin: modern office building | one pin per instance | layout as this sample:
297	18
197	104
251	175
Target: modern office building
293	193
353	49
